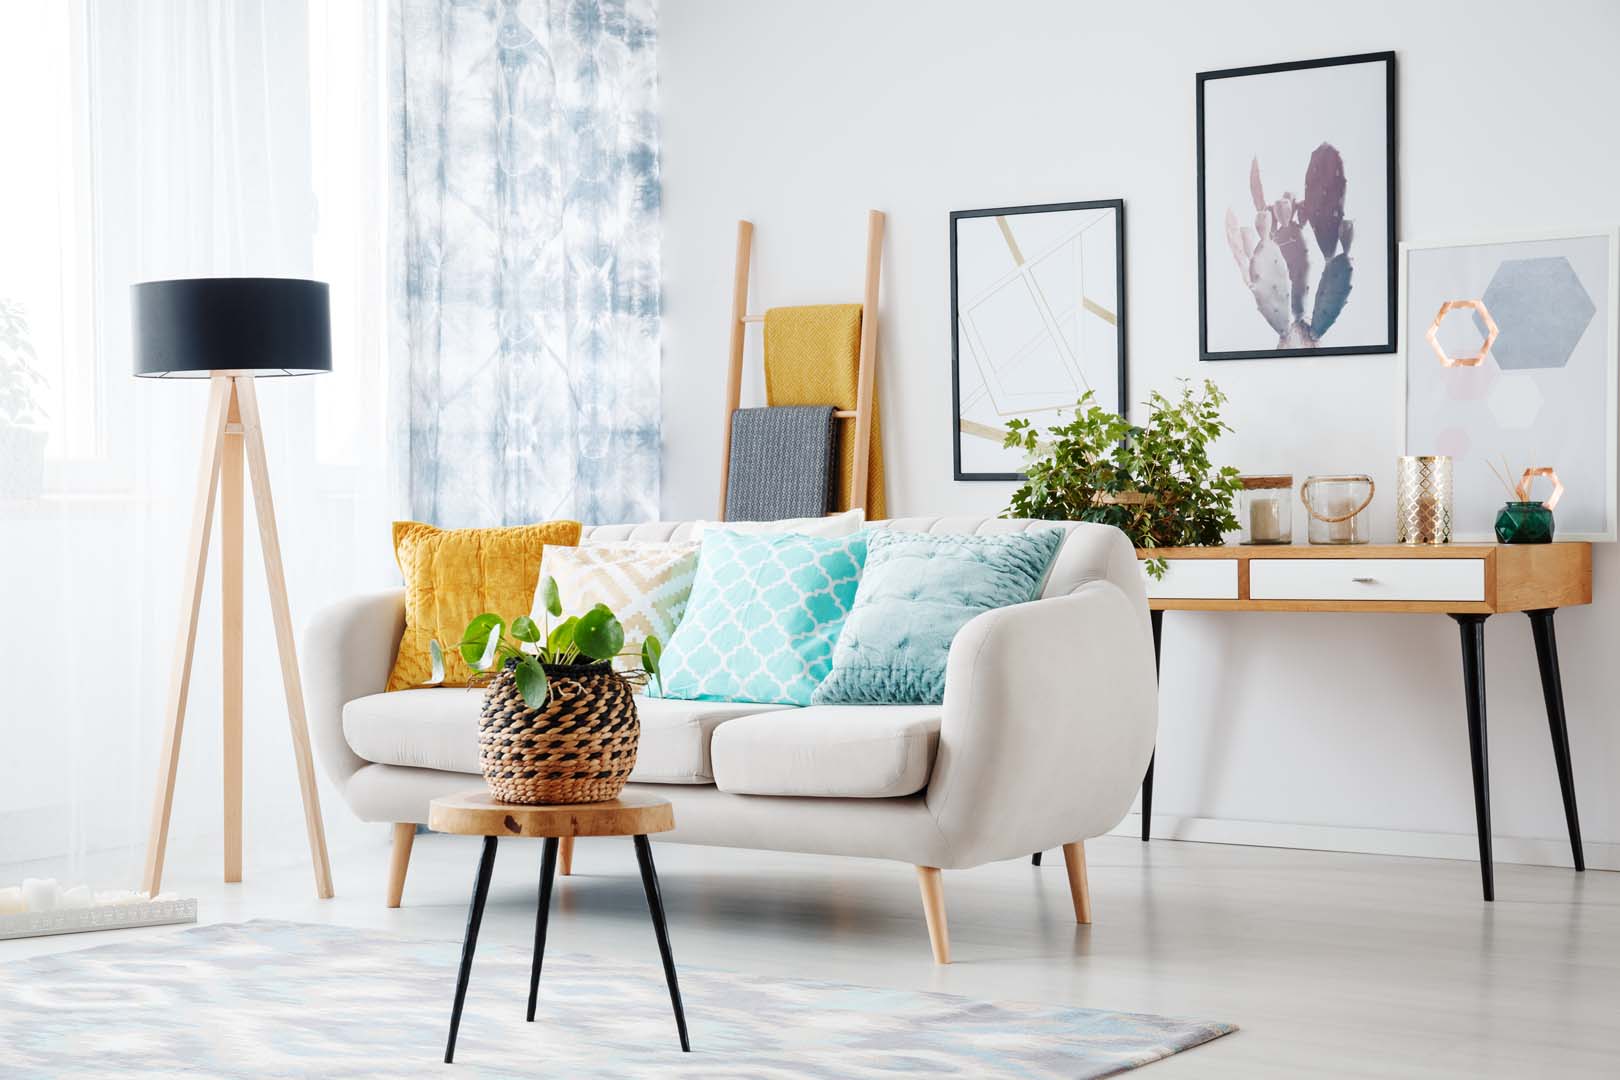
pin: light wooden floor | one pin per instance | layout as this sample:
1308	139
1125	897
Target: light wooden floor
1334	965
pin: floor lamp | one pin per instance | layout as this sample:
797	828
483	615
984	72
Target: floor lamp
231	331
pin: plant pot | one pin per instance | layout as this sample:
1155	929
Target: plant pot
1524	523
578	747
22	461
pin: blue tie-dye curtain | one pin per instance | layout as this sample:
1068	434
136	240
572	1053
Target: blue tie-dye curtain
524	336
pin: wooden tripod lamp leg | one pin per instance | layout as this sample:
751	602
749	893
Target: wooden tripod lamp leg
739	308
866	374
230	638
196	568
281	616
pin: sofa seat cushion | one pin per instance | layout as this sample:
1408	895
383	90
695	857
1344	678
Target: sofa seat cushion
831	751
438	729
675	737
434	728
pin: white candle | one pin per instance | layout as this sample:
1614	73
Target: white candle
1265	520
40	894
11	901
1341	532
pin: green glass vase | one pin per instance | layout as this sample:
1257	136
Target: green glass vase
1524	523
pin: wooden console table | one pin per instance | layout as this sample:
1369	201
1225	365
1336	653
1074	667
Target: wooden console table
1468	582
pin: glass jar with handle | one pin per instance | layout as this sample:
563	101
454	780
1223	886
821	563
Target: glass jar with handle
1335	505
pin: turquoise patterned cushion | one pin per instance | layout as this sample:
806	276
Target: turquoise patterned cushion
917	591
763	616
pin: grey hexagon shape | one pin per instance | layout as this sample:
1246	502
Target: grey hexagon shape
1542	310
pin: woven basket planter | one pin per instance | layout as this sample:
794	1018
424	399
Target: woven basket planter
578	747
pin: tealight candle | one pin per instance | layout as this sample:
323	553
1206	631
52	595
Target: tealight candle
40	894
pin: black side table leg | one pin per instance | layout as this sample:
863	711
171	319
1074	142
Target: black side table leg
655	904
1473	657
1035	859
475	917
1147	780
548	871
1552	690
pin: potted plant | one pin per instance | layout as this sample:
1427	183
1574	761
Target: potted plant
22	432
1155	482
559	723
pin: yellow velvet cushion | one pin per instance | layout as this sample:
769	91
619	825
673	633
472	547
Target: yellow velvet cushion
453	575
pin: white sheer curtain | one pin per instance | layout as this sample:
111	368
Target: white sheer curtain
183	138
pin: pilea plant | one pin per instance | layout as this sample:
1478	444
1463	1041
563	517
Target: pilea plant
492	644
1155	482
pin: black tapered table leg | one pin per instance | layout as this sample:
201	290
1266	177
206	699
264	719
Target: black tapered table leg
1473	657
548	871
475	917
655	904
1552	690
1035	859
1157	618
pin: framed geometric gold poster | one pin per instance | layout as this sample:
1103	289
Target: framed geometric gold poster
1037	319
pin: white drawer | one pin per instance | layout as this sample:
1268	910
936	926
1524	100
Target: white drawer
1195	579
1367	579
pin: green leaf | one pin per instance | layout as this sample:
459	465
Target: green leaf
436	654
531	682
550	598
652	651
599	634
562	637
526	629
479	642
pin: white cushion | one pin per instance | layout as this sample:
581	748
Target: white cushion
433	728
675	737
830	751
438	729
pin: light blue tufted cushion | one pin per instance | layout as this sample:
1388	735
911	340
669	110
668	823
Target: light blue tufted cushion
764	613
917	591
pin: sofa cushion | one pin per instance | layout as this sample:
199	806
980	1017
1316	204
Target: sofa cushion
833	751
764	613
438	729
916	591
675	737
426	729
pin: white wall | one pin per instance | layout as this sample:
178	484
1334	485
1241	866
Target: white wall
800	115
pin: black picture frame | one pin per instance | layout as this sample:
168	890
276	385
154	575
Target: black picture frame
1390	182
1118	207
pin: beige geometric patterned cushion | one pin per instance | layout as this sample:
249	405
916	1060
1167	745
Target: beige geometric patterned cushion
645	583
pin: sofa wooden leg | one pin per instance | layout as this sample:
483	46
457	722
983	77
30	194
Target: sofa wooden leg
565	855
404	837
933	898
1074	856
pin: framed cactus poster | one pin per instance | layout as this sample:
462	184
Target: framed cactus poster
1296	209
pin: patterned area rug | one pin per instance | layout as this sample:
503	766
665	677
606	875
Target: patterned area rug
270	999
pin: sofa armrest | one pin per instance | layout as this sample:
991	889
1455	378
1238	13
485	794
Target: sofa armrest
348	653
1050	716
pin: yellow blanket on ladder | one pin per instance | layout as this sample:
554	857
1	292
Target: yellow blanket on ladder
813	357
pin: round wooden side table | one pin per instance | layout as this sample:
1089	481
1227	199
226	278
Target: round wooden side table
478	813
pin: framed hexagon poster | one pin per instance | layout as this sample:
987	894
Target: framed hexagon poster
1511	360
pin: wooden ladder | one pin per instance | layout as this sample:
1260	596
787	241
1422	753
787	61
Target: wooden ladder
866	376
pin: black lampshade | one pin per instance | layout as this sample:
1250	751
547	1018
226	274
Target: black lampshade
190	327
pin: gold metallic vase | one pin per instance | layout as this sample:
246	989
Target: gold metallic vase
1423	500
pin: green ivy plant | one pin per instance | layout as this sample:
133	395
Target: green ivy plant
491	644
1156	482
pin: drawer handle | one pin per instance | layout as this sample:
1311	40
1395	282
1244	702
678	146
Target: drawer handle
1365	580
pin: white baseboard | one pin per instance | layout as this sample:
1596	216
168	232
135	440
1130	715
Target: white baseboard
1426	845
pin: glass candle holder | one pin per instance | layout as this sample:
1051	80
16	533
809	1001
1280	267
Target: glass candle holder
1335	505
1265	509
1423	500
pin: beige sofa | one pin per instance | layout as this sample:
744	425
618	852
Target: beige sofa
1049	718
